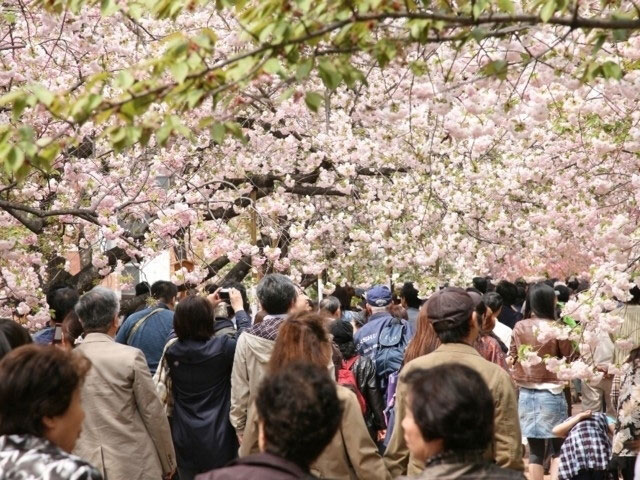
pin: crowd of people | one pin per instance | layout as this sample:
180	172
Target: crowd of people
362	385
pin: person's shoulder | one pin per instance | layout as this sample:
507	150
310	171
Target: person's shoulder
345	393
424	361
82	470
493	471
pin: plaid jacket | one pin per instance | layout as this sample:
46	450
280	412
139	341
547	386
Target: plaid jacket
587	447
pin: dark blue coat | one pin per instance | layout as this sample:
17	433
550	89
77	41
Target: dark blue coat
201	374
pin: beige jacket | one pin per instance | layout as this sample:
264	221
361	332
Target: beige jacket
249	368
125	434
351	454
507	446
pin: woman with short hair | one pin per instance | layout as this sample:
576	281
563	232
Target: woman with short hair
41	414
351	453
200	365
12	335
451	430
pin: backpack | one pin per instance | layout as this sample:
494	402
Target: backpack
390	409
392	343
346	378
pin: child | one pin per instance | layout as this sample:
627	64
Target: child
586	451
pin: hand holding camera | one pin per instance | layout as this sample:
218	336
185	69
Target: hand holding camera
230	296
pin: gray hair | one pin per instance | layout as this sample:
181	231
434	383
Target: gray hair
330	304
276	293
97	308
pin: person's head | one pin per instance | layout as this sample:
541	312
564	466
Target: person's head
398	311
330	306
277	294
342	333
193	319
635	296
459	418
634	357
452	313
573	283
302	337
12	336
344	294
541	301
480	284
40	394
424	340
98	311
71	330
298	413
164	292
143	288
508	291
409	296
493	301
378	299
61	300
562	293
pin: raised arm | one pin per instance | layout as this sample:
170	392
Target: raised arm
563	429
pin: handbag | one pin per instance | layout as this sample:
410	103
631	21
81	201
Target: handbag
162	380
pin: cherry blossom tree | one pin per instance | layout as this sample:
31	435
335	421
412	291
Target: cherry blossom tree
356	141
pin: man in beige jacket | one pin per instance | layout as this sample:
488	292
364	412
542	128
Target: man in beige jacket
125	433
451	311
278	296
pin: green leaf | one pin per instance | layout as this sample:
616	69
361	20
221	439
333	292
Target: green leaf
194	97
272	66
235	129
313	100
287	94
179	71
125	79
43	95
108	7
19	105
506	6
11	97
478	7
496	68
620	35
217	133
14	159
329	75
611	70
418	68
304	68
384	51
548	10
599	42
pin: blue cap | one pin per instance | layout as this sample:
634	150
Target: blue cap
378	296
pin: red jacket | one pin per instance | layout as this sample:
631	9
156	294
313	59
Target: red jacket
524	333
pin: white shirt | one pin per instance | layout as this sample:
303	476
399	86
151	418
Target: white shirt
503	333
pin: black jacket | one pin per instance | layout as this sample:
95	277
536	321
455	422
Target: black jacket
365	372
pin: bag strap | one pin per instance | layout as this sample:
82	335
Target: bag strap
347	364
139	323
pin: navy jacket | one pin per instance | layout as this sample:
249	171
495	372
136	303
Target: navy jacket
152	335
366	339
201	384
